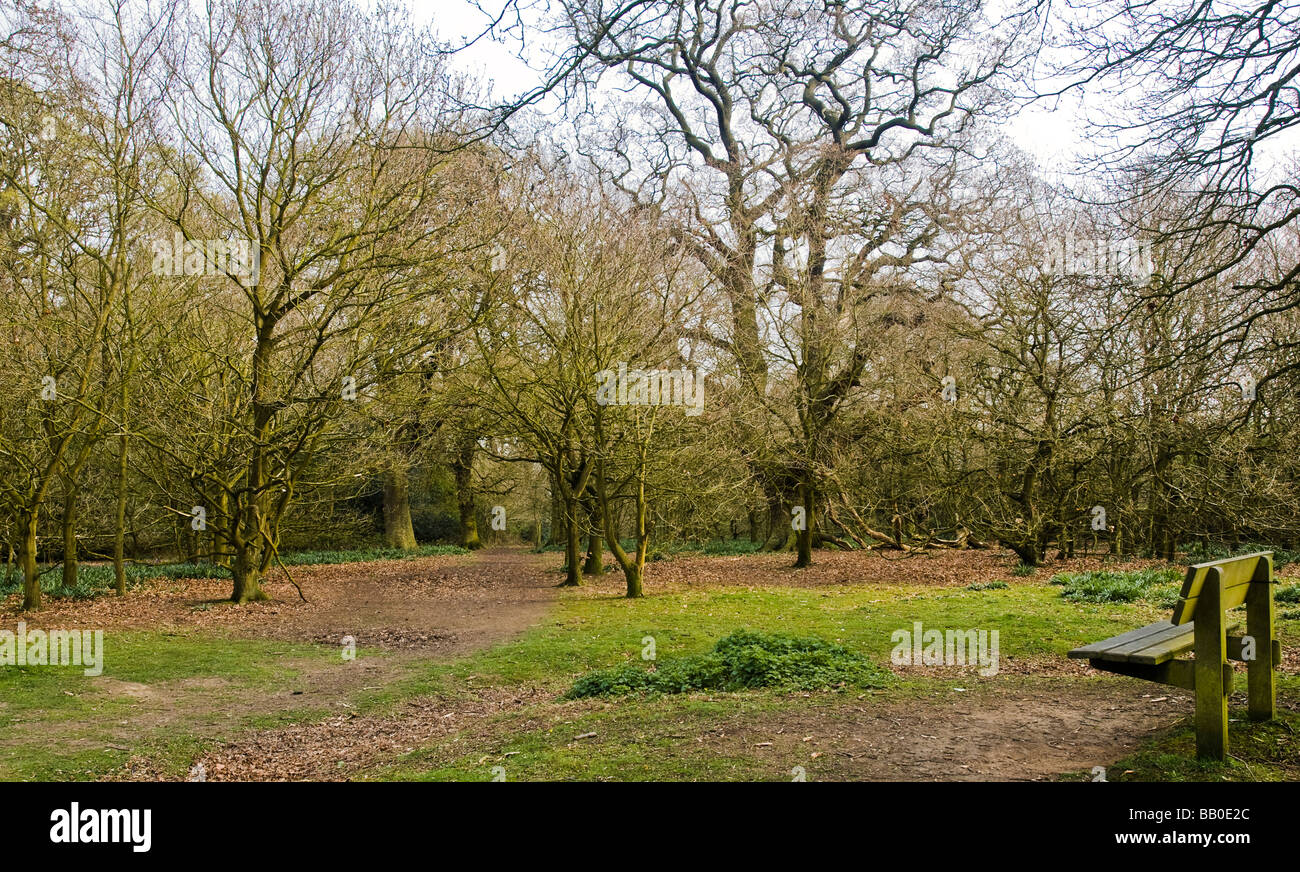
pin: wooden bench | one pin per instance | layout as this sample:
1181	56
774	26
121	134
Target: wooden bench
1199	625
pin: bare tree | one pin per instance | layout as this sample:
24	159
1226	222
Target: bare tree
787	140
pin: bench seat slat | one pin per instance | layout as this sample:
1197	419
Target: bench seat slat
1157	649
1089	651
1152	645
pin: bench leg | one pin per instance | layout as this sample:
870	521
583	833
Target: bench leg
1261	686
1211	647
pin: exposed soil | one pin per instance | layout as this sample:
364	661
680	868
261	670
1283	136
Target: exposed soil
991	733
341	746
1039	718
442	606
1011	733
433	607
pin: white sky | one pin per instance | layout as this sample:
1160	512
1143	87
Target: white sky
1050	133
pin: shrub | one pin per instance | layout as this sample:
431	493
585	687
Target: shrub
432	525
1108	586
744	659
1288	594
1202	552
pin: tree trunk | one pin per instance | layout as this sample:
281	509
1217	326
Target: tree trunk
221	525
27	562
595	562
804	537
633	566
778	523
247	574
466	498
1026	550
557	513
119	520
250	537
399	531
69	523
572	546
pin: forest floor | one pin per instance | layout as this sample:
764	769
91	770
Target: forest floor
462	664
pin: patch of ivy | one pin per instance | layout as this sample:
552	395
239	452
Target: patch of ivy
742	660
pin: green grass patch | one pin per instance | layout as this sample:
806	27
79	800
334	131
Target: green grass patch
992	585
589	632
795	641
641	738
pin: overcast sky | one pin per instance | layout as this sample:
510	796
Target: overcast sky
1049	133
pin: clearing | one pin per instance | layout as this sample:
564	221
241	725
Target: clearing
463	662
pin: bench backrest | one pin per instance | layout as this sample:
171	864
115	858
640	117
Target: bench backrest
1237	573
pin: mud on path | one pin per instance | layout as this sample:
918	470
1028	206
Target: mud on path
450	607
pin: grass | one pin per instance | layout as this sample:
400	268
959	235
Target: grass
637	740
659	736
63	725
596	632
1265	751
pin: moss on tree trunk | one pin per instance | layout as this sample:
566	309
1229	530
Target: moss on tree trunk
399	530
27	563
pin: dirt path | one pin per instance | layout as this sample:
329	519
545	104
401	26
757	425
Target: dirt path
441	606
1006	733
412	610
1035	725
